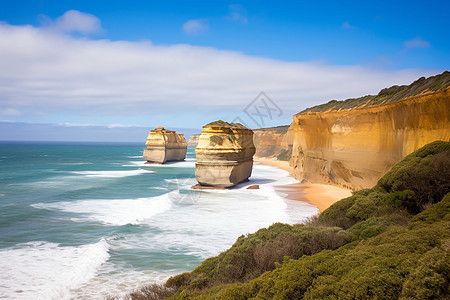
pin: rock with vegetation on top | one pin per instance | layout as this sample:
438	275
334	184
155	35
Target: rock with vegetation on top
164	145
352	143
224	154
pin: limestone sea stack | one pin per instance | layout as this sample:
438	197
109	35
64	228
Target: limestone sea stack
224	154
193	140
164	145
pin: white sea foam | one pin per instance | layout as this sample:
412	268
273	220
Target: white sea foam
42	270
118	283
77	163
187	163
112	212
111	174
216	218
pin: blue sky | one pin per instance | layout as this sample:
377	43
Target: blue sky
185	63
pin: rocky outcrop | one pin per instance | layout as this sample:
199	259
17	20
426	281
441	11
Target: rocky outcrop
353	147
193	140
224	154
274	142
164	145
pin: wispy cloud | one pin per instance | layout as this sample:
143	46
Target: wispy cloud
48	75
416	42
195	27
9	112
346	25
237	13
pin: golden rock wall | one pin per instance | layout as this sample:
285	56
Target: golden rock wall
353	148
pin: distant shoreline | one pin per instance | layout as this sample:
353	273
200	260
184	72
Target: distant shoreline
320	195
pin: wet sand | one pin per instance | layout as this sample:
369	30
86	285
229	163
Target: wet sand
320	195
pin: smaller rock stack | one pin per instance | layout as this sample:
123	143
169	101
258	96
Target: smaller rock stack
224	154
164	145
193	140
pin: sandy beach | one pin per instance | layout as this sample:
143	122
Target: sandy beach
320	195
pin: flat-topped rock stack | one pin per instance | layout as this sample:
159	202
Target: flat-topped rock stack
224	155
193	140
164	145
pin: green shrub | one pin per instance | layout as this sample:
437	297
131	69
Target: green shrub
257	253
425	172
388	242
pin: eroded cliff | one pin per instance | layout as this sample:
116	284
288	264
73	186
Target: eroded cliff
353	147
224	154
193	140
164	145
274	142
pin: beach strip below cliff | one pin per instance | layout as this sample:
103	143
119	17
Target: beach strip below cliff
320	195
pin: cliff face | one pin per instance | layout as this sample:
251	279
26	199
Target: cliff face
224	155
274	142
164	145
193	140
354	147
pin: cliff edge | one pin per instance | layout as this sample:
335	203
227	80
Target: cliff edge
353	143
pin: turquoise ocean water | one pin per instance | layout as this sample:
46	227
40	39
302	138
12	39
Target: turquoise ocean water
84	221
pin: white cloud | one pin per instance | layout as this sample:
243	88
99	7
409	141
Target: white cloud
50	75
416	42
237	13
195	27
74	21
9	112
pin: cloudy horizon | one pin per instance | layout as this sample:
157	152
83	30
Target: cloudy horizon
69	69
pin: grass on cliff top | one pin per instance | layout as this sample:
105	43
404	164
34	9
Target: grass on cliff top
388	242
279	129
388	95
226	124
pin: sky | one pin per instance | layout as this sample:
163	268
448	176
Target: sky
182	64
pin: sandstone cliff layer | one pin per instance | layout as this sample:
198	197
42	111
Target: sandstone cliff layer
275	142
193	140
164	145
224	154
353	147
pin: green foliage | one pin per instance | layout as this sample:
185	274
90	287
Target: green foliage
425	172
388	242
389	95
226	124
356	208
279	129
433	214
387	266
257	253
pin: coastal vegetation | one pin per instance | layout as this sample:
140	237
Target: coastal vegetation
225	124
388	95
388	242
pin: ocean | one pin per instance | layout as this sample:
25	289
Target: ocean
91	220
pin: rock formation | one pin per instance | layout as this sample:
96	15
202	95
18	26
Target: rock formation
193	140
353	143
274	142
164	145
224	154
